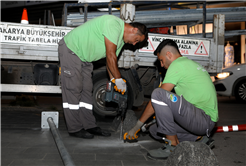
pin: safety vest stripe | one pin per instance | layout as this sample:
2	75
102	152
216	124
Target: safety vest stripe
158	102
76	106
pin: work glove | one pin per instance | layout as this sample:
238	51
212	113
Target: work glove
132	134
120	85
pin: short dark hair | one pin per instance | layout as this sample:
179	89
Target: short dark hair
166	42
141	28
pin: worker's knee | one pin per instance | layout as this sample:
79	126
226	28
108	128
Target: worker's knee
158	93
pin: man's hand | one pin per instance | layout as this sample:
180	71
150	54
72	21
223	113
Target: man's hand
120	85
132	134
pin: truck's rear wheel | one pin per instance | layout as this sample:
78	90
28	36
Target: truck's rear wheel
99	104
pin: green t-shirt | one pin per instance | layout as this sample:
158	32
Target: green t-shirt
193	82
87	40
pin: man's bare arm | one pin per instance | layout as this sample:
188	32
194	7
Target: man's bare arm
111	59
109	73
148	112
167	86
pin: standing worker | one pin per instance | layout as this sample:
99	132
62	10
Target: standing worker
98	38
188	115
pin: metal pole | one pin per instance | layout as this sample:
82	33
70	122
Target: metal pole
44	17
62	149
110	8
85	12
241	127
204	20
49	20
64	20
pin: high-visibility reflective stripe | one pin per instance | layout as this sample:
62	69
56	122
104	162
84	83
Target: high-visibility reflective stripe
87	106
158	102
76	106
71	106
180	104
225	128
235	127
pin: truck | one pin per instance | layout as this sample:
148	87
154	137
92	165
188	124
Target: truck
30	64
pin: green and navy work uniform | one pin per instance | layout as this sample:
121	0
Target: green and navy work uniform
193	110
80	47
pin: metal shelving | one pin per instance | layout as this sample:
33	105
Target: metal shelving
160	18
150	18
102	4
169	17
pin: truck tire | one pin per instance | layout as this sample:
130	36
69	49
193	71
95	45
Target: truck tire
99	104
240	91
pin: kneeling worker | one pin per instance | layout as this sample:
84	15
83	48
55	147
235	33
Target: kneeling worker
188	115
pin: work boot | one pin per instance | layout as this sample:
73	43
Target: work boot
82	134
99	131
206	140
161	153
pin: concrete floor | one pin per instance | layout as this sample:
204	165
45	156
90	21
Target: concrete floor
23	142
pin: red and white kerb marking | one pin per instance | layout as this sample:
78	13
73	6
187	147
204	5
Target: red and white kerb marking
241	127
